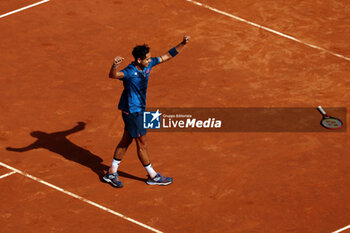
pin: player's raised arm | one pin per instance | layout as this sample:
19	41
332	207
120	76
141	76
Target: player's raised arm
113	73
174	51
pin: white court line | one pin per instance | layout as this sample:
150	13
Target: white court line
80	198
343	229
7	174
268	29
23	8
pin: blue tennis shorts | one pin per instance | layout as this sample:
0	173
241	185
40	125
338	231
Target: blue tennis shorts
134	124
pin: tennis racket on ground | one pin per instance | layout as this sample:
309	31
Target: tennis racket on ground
329	122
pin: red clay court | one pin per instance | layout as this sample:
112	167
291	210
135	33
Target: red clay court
55	59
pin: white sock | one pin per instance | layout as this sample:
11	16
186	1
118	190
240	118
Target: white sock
115	165
151	172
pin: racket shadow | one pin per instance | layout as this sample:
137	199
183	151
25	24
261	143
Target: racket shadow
58	143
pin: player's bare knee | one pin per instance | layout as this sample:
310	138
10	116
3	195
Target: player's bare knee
123	144
142	144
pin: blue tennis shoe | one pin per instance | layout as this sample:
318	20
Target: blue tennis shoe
113	179
159	180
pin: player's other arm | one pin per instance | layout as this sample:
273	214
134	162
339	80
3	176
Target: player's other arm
113	73
174	51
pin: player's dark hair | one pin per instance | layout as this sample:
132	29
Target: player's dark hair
140	51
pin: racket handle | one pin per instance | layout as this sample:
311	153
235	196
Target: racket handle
321	110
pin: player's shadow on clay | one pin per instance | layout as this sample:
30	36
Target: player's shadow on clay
58	143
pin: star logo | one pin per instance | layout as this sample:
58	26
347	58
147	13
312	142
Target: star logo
151	120
156	115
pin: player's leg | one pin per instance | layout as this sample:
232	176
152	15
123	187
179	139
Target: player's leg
112	173
120	151
142	153
141	144
154	178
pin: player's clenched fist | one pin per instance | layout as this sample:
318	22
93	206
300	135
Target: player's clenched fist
118	60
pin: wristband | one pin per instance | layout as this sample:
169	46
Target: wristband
173	52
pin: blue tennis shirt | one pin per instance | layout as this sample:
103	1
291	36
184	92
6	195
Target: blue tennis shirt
133	98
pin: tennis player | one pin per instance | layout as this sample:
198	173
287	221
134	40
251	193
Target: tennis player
132	104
